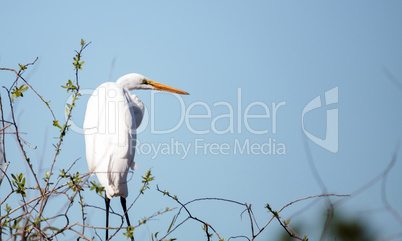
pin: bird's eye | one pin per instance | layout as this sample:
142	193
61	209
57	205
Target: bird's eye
144	81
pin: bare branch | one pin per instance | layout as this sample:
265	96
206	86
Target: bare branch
384	199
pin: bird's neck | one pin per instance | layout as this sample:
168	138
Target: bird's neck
126	82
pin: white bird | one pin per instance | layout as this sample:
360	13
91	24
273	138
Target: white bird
110	124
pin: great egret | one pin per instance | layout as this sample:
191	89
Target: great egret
110	124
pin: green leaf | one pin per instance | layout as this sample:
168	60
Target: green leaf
56	123
8	208
69	86
63	173
129	233
23	88
97	187
146	180
22	67
18	91
19	184
171	224
51	228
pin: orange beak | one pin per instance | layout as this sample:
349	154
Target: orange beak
166	88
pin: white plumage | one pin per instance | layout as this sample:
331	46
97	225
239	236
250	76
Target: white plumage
110	124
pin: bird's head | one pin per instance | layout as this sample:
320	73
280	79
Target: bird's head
139	82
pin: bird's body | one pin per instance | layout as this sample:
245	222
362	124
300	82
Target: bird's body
110	124
111	135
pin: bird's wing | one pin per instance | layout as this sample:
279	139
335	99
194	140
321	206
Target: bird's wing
110	136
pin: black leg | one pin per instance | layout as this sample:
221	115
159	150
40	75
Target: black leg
107	201
123	204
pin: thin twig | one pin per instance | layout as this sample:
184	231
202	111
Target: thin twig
384	199
3	150
63	132
19	76
19	140
190	215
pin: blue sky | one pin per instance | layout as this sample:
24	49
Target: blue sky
269	52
